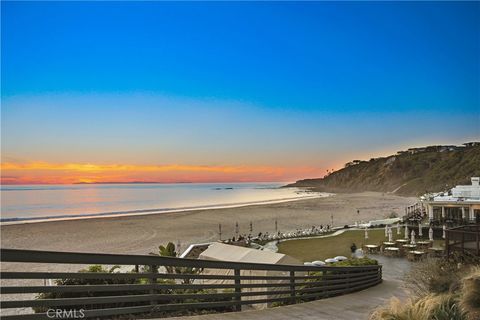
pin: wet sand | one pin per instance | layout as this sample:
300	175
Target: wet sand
143	234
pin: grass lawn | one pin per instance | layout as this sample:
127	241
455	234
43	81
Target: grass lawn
329	247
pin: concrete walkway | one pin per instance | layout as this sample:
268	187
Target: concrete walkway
352	306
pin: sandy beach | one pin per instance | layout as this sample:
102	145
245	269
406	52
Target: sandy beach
143	234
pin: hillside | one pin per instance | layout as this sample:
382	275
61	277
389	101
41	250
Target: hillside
412	172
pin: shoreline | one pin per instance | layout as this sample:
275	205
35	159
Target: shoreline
144	212
141	234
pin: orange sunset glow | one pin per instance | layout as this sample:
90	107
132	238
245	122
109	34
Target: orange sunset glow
67	173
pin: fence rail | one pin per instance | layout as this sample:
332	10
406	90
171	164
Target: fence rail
464	239
190	285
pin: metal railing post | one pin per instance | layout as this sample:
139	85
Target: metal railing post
447	242
153	281
173	295
478	246
238	290
292	285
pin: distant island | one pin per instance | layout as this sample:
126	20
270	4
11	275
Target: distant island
131	182
412	172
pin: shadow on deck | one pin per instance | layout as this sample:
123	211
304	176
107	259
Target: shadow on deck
356	305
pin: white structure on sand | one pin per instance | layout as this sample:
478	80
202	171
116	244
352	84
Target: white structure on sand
224	252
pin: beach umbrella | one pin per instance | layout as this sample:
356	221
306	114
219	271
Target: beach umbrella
366	233
420	233
390	235
386	231
331	260
430	234
444	231
398	228
406	232
413	237
358	253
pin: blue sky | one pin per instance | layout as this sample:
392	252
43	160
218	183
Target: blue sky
253	84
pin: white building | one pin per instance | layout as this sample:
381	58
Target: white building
460	205
469	192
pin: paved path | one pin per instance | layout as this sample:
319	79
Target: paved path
352	306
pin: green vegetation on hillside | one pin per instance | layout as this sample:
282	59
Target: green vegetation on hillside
429	169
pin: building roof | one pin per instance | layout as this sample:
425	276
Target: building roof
225	252
461	194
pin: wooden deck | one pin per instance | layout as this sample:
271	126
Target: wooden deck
148	290
356	305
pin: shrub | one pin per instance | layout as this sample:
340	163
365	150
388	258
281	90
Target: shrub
444	293
169	251
430	307
470	299
278	304
433	275
393	214
356	262
156	313
448	308
397	309
95	269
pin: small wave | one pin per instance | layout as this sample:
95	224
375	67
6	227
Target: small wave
151	211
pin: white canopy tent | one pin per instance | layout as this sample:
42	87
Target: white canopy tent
225	252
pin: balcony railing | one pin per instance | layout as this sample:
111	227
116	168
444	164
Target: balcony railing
463	239
154	292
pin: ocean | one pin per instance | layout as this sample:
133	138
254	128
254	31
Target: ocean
33	203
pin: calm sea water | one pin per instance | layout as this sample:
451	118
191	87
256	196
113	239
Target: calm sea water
38	202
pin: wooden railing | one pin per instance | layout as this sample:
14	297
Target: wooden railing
149	291
414	213
464	239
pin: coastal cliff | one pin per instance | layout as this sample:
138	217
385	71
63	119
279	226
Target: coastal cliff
409	173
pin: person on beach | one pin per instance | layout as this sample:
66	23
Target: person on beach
353	248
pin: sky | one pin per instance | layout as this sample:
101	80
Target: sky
220	92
